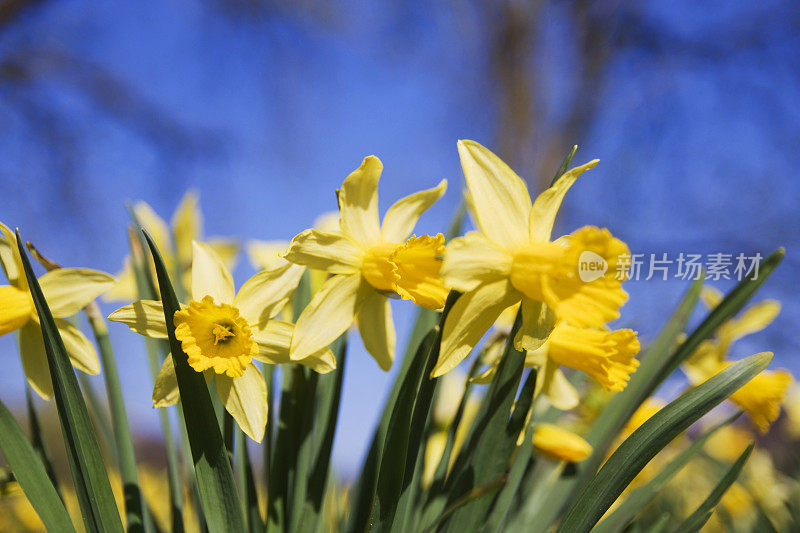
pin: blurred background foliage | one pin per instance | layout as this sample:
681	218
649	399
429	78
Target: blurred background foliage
263	106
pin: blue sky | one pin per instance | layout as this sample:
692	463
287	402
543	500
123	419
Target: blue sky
264	117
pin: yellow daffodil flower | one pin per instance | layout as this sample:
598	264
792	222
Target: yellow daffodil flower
511	259
762	396
175	243
607	356
363	259
67	291
560	444
222	331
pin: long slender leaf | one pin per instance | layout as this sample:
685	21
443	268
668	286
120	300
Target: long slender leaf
146	291
89	474
564	164
325	421
215	484
31	474
487	452
37	440
707	506
637	499
637	450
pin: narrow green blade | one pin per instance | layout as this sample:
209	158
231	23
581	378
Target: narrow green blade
636	501
638	449
37	440
488	449
89	474
713	499
215	484
564	164
31	474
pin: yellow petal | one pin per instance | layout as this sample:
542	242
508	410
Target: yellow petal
68	290
706	361
469	319
187	224
328	222
34	359
559	444
762	396
266	255
377	328
501	199
400	219
265	294
559	391
11	261
473	260
711	296
155	226
329	314
546	206
165	391
245	398
80	349
333	252
124	288
537	323
16	307
274	341
227	249
752	320
145	317
210	276
358	202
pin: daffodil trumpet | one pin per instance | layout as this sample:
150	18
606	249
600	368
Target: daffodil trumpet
222	332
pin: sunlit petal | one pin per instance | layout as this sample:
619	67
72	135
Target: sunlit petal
377	328
245	398
334	252
145	317
210	276
546	206
400	219
358	202
68	290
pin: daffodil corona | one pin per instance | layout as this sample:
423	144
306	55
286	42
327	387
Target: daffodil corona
512	260
222	332
368	261
67	291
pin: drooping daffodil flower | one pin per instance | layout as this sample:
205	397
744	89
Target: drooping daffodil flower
174	240
511	260
762	396
67	291
560	444
368	261
222	332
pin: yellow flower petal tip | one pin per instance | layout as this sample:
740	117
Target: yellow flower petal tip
559	444
215	336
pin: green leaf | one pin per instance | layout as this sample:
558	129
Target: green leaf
254	522
136	517
713	499
487	452
392	472
31	474
367	481
637	499
155	355
89	474
37	440
639	448
215	484
329	391
522	459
